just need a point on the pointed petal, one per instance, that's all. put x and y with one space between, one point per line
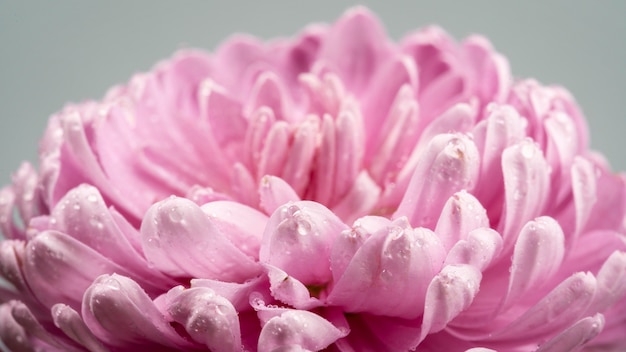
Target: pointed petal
289 290
298 239
70 322
564 304
449 165
449 294
243 185
398 261
462 214
117 310
274 192
297 168
274 151
298 328
223 113
324 170
576 336
526 187
537 256
239 223
178 238
208 318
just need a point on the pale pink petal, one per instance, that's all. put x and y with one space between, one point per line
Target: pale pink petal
9 228
71 323
576 336
325 163
12 333
237 294
239 223
208 318
611 282
360 199
461 214
450 164
298 328
27 191
489 70
480 249
178 238
449 293
349 146
274 151
537 256
118 311
259 125
290 291
297 168
584 190
243 185
298 238
274 192
397 261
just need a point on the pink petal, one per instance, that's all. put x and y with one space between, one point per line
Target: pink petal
398 261
537 256
178 238
526 186
298 328
269 92
462 214
289 290
12 255
325 163
243 185
584 190
70 322
223 113
118 311
9 228
239 223
298 239
449 294
209 319
259 125
12 334
576 336
55 268
449 165
490 70
297 168
480 249
360 199
237 294
28 194
274 192
611 282
354 47
274 151
349 146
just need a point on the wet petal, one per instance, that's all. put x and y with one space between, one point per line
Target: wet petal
462 214
575 336
12 333
208 318
274 192
298 328
71 323
481 247
178 238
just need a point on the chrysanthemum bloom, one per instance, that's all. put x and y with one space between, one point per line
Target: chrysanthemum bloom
334 191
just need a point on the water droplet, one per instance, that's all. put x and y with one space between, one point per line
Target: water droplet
386 275
303 227
76 206
175 215
528 150
92 198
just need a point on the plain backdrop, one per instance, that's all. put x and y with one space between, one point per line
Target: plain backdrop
59 51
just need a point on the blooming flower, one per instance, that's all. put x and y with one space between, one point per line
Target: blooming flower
334 191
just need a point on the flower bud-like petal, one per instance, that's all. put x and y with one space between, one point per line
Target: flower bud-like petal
208 318
298 239
119 311
449 164
178 238
397 261
298 328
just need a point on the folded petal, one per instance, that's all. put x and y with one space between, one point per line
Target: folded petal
179 239
461 214
298 328
208 318
480 249
290 291
449 164
298 239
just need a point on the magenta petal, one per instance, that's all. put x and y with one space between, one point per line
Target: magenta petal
298 328
298 239
526 186
178 238
239 223
25 318
576 336
208 318
70 322
449 293
462 214
397 261
118 311
274 192
537 256
449 165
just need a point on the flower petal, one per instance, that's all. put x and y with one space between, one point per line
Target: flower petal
449 293
298 239
360 199
289 290
209 319
537 256
70 322
575 336
298 328
449 165
461 214
274 192
178 238
12 334
117 310
481 247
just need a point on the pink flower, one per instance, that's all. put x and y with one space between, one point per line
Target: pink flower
334 191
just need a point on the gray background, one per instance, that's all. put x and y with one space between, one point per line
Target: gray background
54 52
